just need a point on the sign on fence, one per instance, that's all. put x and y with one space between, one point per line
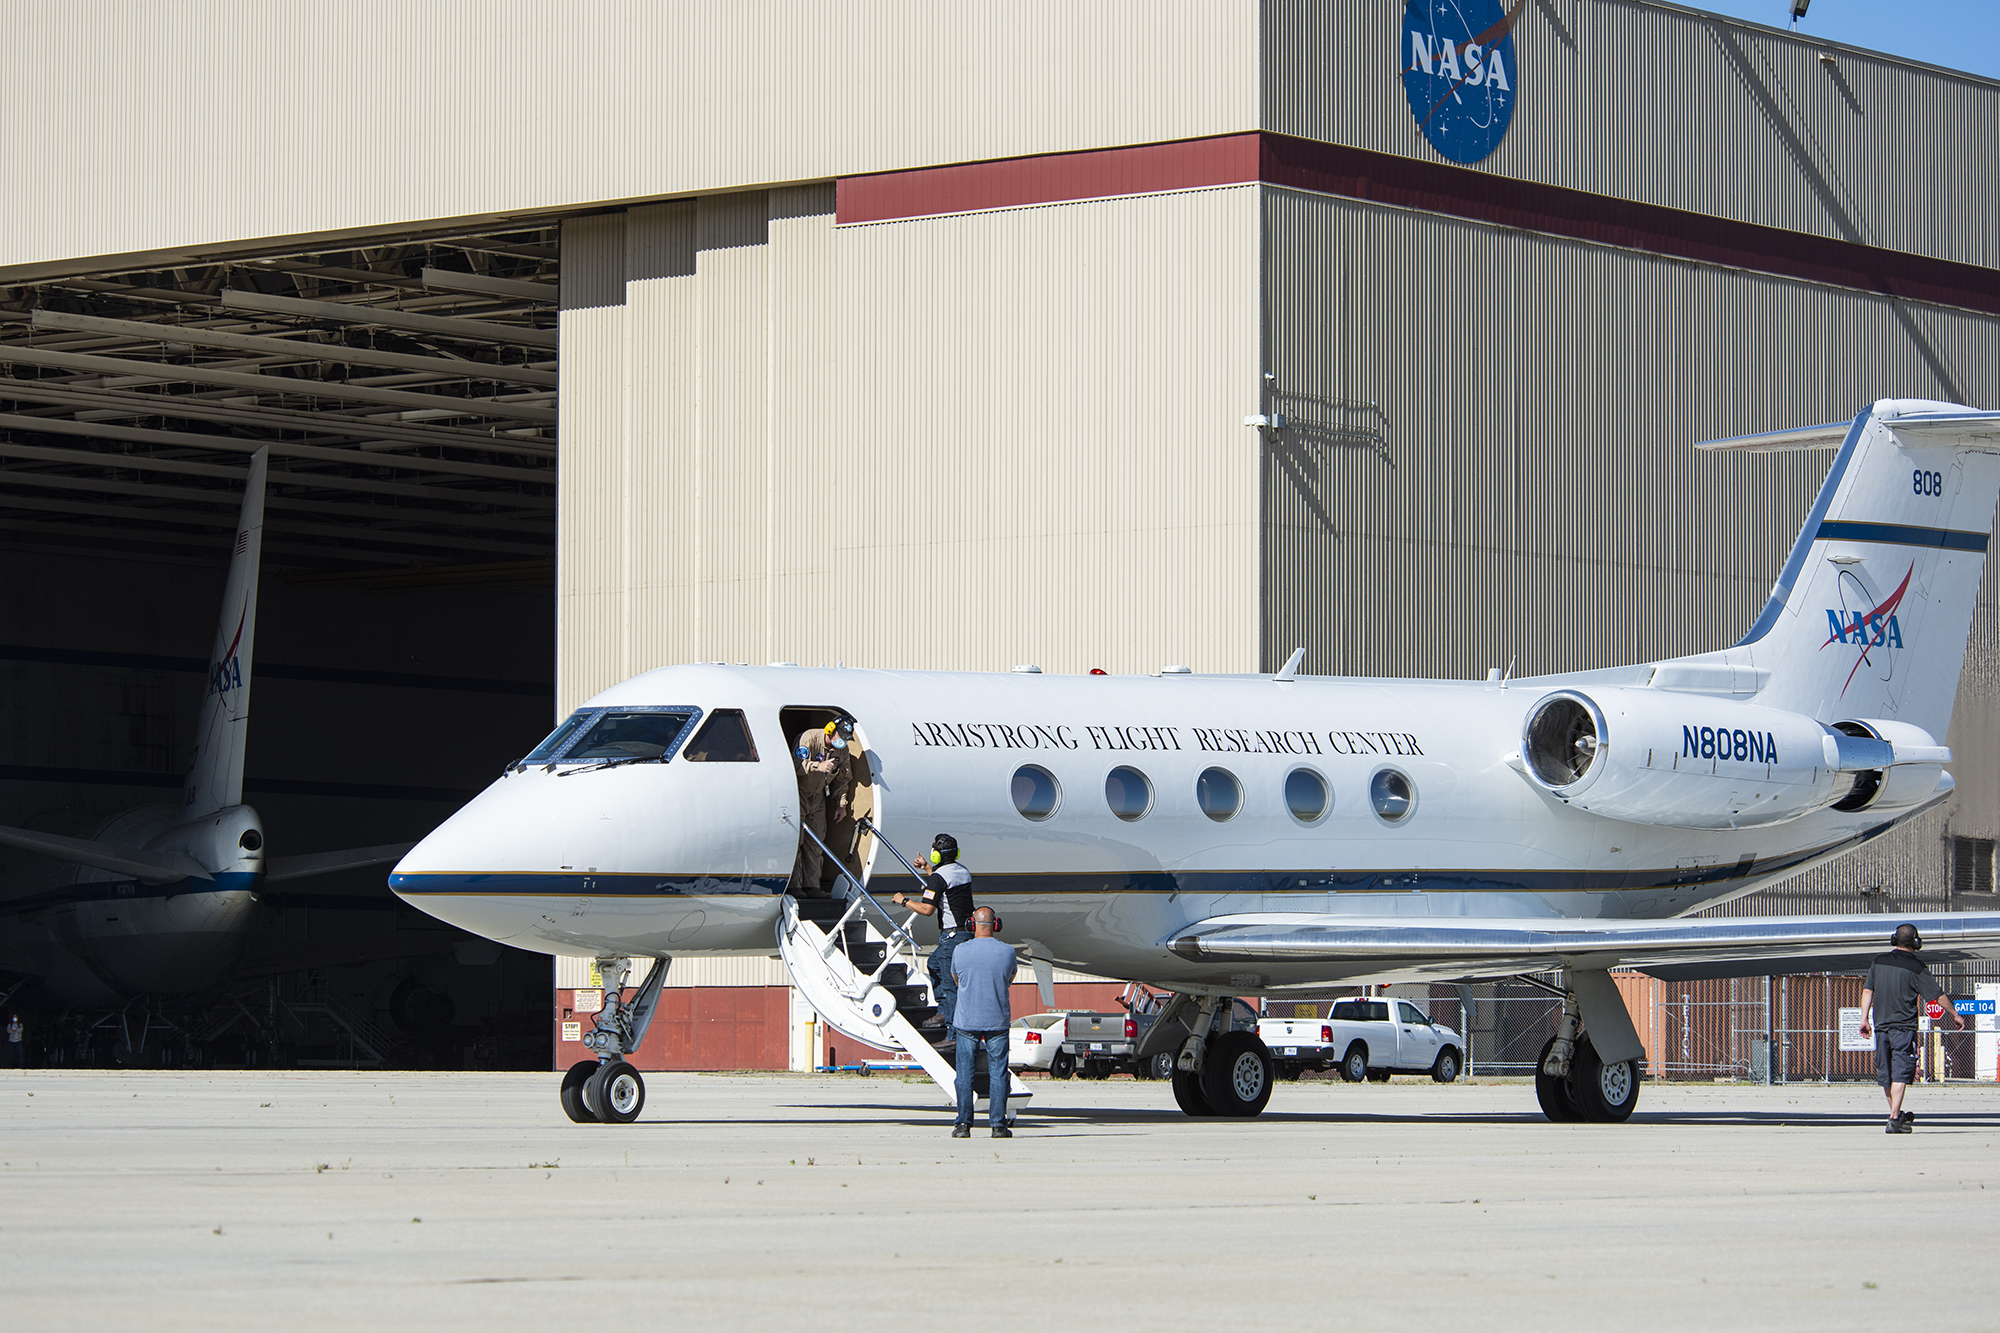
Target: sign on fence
1850 1032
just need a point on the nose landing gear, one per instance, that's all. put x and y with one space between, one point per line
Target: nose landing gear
608 1090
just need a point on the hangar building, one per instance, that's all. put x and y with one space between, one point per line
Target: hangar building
597 337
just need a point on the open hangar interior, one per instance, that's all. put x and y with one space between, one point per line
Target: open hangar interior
951 359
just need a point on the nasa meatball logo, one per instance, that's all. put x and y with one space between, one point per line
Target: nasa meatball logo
1459 73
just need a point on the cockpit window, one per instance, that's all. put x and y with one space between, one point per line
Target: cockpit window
601 735
723 739
558 738
620 734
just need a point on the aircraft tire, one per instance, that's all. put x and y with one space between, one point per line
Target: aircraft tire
1354 1065
1236 1075
1187 1092
1604 1093
571 1094
1554 1093
621 1093
1445 1068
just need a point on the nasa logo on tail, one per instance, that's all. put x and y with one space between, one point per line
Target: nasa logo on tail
1872 631
1459 73
227 674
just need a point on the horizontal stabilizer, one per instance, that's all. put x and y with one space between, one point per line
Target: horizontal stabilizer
1468 948
154 867
1784 441
325 863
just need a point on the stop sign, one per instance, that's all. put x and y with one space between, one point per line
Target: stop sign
1935 1008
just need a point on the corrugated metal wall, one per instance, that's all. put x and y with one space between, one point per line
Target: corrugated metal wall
527 106
958 442
1497 426
1652 102
1490 460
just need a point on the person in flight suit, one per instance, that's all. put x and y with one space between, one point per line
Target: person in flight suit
948 897
849 797
815 766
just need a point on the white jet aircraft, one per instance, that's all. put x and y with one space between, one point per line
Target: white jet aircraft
160 899
1220 836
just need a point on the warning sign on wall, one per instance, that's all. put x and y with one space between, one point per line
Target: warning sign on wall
572 1032
589 1001
1850 1032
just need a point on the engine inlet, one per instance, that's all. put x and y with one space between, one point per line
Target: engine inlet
1561 740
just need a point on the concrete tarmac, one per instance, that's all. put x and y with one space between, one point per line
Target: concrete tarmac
333 1200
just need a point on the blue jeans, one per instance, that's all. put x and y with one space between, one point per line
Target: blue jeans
943 987
996 1074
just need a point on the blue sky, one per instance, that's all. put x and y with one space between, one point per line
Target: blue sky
1958 34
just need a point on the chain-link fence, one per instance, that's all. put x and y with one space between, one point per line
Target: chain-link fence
1776 1029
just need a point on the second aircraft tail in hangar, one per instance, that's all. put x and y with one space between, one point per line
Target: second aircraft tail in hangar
215 774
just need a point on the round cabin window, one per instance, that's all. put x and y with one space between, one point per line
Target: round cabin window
1392 796
1128 793
1218 793
1306 795
1036 792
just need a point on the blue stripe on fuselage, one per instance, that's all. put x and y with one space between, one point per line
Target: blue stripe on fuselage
127 890
567 884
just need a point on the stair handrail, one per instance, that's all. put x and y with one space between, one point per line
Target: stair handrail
859 885
854 904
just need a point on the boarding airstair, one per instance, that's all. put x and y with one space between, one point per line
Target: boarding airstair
861 972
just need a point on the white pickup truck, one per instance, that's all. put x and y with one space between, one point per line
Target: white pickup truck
1364 1038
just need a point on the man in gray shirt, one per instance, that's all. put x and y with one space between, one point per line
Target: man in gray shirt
983 968
1892 999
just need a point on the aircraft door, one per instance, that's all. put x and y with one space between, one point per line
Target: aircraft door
836 788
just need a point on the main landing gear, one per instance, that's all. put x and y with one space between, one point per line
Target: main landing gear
608 1090
1224 1074
1572 1083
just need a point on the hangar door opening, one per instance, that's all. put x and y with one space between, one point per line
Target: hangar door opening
405 388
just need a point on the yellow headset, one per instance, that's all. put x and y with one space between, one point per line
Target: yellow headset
937 857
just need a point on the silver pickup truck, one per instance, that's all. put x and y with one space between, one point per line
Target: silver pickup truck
1364 1038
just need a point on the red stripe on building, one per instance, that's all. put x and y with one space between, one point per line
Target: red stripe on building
1189 164
1358 173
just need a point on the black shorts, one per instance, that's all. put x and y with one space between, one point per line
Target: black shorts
1895 1055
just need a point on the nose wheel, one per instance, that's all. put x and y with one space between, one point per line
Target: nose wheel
608 1090
572 1092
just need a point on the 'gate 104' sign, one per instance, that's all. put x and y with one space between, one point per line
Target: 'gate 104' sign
1459 73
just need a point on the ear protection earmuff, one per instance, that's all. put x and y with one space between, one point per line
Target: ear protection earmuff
936 858
1907 936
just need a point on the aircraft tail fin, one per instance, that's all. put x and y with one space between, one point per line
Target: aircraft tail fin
1868 619
215 778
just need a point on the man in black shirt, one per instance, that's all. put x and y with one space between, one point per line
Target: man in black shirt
1892 999
947 896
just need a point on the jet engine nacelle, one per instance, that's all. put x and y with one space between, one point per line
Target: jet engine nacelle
1691 761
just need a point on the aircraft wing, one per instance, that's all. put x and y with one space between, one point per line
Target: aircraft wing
1376 948
325 863
135 861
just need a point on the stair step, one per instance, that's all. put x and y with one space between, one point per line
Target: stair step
896 974
822 912
866 957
